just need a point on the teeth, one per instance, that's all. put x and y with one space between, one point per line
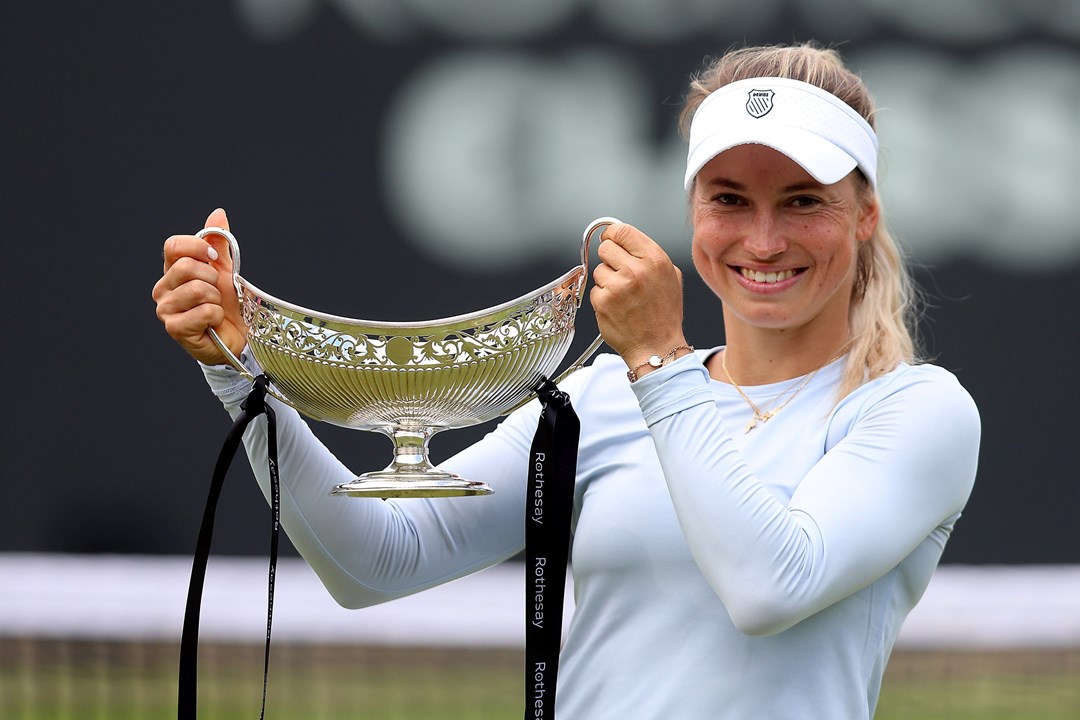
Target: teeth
769 277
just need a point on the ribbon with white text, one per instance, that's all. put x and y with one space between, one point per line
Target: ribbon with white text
548 509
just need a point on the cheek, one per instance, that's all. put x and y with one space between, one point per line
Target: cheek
706 251
701 263
835 240
699 256
712 235
842 257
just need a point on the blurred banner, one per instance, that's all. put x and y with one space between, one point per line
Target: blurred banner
412 159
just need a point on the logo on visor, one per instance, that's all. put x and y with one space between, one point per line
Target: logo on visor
759 102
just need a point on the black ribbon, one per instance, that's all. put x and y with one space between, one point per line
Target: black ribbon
252 407
548 509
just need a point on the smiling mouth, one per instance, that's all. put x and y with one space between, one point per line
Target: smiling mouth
769 277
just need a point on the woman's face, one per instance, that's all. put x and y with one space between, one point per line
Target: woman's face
778 247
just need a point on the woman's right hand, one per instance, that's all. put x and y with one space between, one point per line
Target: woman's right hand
196 292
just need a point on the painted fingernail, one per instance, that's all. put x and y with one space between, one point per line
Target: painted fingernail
211 252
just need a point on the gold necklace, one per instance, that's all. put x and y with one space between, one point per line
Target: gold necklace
765 417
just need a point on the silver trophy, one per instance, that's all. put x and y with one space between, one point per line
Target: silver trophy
411 380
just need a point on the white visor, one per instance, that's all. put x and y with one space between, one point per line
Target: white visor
814 128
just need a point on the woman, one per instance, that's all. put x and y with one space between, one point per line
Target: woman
752 522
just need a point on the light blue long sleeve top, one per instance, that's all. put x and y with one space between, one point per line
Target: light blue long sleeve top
718 574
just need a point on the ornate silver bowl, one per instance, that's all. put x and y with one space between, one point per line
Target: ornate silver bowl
411 380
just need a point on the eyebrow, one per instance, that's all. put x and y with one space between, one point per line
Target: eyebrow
735 185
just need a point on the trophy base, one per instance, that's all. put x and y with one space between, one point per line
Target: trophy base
411 474
390 484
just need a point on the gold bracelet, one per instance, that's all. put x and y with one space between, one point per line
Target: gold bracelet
657 361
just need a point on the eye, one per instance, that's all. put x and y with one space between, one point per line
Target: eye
805 201
727 199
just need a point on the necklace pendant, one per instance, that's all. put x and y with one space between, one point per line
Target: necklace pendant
763 417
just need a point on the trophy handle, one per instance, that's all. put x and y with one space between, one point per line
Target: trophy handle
580 362
234 251
595 225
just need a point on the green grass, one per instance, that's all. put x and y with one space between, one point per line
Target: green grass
56 680
92 681
1046 698
1033 685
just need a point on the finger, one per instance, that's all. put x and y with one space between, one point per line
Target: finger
178 247
189 327
613 255
185 269
603 274
187 296
629 238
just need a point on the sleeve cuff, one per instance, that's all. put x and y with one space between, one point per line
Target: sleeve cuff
226 382
673 388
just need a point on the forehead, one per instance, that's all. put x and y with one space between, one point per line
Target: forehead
753 164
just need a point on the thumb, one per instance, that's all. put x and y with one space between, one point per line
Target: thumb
220 245
217 219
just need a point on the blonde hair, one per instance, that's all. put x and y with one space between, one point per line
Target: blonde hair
882 317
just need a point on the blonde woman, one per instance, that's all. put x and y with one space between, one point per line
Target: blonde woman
753 521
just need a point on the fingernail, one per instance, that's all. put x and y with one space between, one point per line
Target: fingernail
211 252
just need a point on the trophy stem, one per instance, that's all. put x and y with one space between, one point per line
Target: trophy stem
411 474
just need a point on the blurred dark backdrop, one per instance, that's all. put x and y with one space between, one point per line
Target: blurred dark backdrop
415 159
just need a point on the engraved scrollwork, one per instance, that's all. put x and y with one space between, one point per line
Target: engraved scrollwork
549 313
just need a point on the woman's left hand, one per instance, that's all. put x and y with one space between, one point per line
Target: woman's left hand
637 295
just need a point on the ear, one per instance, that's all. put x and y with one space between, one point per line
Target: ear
869 215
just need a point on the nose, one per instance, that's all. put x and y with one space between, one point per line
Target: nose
764 238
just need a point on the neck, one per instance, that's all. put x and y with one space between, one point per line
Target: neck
756 356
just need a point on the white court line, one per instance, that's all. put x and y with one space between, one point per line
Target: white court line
126 597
